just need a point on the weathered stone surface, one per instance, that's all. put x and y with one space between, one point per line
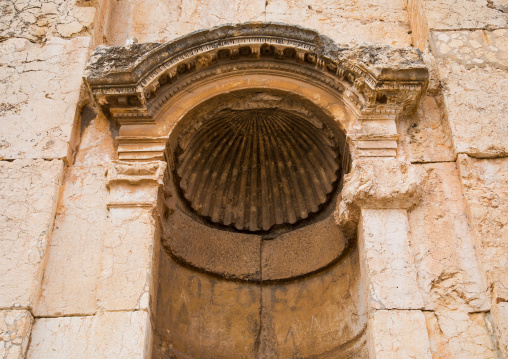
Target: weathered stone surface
126 260
15 327
398 334
428 135
201 316
379 22
476 108
479 48
74 258
381 183
106 335
29 193
229 254
302 251
197 315
485 185
471 14
443 244
36 20
498 284
500 318
97 143
461 335
418 22
321 316
37 121
382 22
158 21
75 253
388 267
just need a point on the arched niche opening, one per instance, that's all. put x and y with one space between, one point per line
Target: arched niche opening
251 166
253 263
245 283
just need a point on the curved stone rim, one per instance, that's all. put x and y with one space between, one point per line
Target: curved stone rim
125 80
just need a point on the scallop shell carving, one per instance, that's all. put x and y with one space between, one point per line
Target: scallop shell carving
253 169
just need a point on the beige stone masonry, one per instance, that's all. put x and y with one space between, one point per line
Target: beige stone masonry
460 335
380 22
158 21
28 202
15 327
427 134
398 334
126 260
443 244
127 255
106 336
485 185
387 263
41 86
75 254
36 20
476 106
471 14
473 48
500 317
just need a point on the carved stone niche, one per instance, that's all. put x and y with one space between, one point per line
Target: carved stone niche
259 123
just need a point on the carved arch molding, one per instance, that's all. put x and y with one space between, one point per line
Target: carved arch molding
245 95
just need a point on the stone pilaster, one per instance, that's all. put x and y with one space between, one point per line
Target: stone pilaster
124 283
376 196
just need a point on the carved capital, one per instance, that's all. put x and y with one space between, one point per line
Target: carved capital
377 184
135 184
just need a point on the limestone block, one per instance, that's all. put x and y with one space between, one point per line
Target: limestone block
126 259
461 335
472 48
96 147
428 135
161 21
15 326
498 283
419 23
485 185
29 191
387 262
37 121
120 335
105 336
35 20
202 316
476 108
500 318
379 21
398 334
225 253
322 316
443 244
74 258
199 316
472 14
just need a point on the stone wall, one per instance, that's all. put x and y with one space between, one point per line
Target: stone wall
77 268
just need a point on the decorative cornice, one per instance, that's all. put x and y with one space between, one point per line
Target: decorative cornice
132 82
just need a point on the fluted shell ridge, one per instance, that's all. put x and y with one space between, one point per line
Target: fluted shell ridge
253 169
